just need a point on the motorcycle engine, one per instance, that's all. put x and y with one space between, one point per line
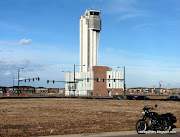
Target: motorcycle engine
151 122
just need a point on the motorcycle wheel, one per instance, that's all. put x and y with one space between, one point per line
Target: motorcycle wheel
167 127
141 127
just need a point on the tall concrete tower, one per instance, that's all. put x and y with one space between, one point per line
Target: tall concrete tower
90 26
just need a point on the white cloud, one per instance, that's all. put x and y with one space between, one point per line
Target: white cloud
119 6
129 16
7 43
7 73
24 41
145 25
126 9
21 42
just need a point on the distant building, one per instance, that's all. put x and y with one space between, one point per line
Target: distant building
174 90
22 90
2 90
146 90
161 90
41 90
53 90
27 89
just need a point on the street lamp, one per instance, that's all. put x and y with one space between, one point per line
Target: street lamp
124 80
18 79
74 77
160 86
69 80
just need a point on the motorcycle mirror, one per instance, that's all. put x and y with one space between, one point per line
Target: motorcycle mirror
156 106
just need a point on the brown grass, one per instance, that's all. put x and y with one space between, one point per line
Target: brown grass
34 117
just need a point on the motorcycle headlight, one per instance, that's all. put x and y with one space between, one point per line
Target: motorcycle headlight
143 113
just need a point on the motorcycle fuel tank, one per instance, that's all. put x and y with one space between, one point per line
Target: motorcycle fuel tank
154 114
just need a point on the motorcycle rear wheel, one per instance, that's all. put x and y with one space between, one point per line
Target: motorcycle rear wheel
167 127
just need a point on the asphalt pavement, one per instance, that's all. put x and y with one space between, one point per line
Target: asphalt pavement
123 134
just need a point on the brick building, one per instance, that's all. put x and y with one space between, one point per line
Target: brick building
101 81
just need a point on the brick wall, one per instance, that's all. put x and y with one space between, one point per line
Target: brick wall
100 87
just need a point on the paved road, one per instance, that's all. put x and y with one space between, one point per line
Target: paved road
121 134
150 135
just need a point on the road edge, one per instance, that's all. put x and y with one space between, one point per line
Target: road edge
103 134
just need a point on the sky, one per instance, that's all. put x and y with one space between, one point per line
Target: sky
42 36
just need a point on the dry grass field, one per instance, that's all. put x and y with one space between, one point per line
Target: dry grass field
34 117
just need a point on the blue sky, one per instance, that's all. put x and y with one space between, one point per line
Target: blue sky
42 36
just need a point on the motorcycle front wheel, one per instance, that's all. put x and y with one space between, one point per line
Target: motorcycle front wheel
141 127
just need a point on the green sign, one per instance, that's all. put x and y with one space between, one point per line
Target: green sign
79 79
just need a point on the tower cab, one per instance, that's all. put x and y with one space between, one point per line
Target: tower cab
92 13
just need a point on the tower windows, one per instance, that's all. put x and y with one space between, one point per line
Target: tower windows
91 12
96 13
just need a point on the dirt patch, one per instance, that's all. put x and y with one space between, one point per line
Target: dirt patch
34 117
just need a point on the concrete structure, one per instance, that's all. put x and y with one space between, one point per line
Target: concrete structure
92 80
90 26
98 82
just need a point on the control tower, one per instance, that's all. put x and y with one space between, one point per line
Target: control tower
90 26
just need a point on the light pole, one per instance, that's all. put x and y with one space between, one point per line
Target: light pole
69 80
18 79
124 80
160 86
75 78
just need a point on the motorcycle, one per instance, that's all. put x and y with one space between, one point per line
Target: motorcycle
155 122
